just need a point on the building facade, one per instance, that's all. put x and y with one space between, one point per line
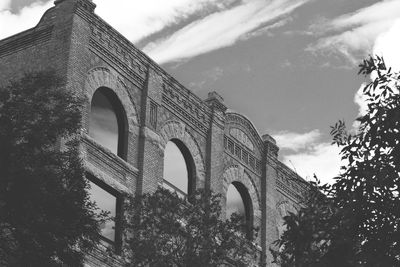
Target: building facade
149 109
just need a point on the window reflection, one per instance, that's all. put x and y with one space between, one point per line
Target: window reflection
105 202
234 202
103 125
175 170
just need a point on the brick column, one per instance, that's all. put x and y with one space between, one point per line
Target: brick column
268 199
150 153
215 142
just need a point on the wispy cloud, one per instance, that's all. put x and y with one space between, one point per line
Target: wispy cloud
136 19
266 29
220 29
26 18
354 34
209 76
296 141
133 18
221 23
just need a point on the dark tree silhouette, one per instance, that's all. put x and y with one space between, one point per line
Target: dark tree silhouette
46 217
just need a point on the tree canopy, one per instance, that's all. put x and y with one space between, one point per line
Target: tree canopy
166 230
356 221
46 217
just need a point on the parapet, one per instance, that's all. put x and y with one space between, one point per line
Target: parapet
216 101
270 145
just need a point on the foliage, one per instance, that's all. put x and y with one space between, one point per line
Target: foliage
357 223
314 235
46 218
166 230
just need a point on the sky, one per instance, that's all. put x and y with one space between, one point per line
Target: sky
289 65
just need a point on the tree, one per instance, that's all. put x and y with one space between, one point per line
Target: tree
361 210
314 235
166 230
46 217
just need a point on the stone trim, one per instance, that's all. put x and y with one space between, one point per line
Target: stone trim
243 155
290 182
114 170
105 178
239 119
104 77
116 54
237 173
184 105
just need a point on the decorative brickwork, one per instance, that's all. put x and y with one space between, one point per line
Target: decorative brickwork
105 77
32 39
225 146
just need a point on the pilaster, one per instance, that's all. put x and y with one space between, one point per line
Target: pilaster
150 152
215 142
268 186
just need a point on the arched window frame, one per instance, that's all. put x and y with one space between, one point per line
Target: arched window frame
248 206
190 167
122 121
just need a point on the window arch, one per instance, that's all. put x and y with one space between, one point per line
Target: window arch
179 168
108 123
238 201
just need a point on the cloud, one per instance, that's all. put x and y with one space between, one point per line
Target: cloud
322 159
220 29
354 34
371 30
361 100
26 18
307 155
222 23
296 141
5 4
137 19
266 29
133 18
387 45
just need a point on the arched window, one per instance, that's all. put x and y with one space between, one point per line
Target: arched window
107 123
238 201
178 168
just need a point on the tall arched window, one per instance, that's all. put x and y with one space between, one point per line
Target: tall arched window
238 201
107 123
178 168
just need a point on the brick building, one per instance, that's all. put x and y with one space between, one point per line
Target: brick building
150 108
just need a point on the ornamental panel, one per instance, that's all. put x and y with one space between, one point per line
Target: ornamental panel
242 137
